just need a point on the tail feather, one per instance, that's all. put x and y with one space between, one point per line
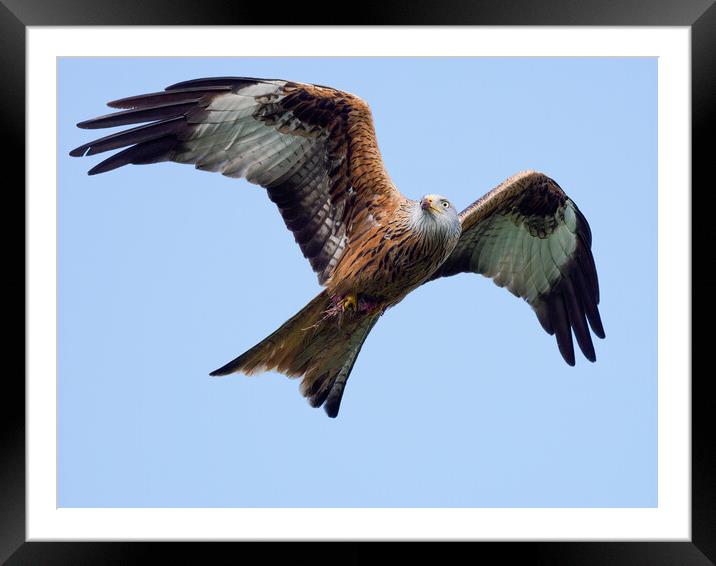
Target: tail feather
333 399
322 349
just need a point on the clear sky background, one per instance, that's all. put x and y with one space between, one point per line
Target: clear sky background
458 398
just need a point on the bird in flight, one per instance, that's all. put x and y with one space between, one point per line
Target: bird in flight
313 148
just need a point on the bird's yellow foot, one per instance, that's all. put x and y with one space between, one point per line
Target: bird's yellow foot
350 301
339 305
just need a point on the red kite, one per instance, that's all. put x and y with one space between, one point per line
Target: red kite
314 150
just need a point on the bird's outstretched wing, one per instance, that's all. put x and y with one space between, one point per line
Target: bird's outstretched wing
313 148
529 236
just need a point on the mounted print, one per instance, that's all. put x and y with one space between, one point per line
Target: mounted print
473 227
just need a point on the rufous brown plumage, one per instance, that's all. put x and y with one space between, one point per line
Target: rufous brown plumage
314 150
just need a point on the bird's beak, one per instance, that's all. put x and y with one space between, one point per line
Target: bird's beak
426 204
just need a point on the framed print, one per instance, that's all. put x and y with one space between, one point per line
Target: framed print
461 420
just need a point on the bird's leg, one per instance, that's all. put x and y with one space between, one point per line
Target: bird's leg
369 305
341 304
350 301
357 303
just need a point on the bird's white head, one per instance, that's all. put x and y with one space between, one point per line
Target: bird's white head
436 217
435 204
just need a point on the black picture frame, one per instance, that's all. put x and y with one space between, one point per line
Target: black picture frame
699 15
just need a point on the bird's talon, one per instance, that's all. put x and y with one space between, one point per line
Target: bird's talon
350 302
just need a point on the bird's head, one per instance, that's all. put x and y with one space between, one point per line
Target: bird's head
435 216
437 204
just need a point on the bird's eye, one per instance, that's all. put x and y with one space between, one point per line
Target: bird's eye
446 204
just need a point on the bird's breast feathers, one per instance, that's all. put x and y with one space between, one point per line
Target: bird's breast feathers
395 255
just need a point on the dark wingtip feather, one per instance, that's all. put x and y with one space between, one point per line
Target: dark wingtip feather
87 124
152 151
562 328
588 302
148 133
589 269
577 318
179 95
585 344
236 82
317 396
595 321
135 116
105 166
542 312
590 354
80 151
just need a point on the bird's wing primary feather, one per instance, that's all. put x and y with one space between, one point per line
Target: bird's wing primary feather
313 148
529 236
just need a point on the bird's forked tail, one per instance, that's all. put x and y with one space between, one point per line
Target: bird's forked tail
317 344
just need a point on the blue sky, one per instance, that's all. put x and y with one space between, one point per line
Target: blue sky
458 398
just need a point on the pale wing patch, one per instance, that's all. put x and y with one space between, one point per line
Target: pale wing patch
527 265
312 148
530 238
